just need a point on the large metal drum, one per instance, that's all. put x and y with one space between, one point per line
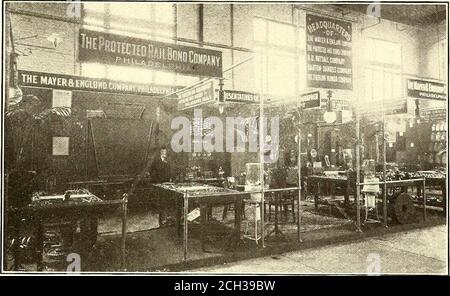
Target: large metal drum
402 209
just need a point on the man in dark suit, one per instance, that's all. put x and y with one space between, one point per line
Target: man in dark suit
160 172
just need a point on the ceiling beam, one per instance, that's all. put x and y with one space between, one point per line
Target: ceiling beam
412 15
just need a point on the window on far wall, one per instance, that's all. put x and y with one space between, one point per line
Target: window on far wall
275 57
155 21
61 98
382 73
60 146
444 61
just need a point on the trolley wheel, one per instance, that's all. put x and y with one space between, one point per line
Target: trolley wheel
403 209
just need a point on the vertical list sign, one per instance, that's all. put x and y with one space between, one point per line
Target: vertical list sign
328 53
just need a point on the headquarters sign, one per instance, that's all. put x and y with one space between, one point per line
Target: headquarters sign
118 50
328 53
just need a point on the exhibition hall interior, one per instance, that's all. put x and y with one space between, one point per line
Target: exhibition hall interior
170 137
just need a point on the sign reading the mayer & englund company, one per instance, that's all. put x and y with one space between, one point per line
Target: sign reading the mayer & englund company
424 89
112 49
328 53
70 82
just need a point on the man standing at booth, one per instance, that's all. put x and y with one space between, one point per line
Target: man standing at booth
160 172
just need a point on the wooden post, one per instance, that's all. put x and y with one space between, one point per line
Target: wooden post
358 176
185 230
261 164
384 176
40 245
124 231
444 196
424 201
10 56
299 202
15 247
237 218
6 220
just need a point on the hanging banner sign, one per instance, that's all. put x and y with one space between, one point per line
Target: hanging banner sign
424 89
340 104
118 50
328 53
434 114
240 96
198 95
378 107
310 100
237 96
70 82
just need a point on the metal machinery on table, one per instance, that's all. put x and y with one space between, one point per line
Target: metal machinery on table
434 179
62 211
400 202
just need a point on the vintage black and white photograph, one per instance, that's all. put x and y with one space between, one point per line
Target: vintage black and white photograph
224 137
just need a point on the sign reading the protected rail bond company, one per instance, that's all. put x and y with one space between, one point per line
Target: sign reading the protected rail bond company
112 49
328 53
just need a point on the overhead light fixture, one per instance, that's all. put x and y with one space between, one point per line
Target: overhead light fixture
221 108
158 113
221 101
329 116
55 39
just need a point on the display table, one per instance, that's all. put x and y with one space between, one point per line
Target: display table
442 184
433 178
49 208
104 188
209 181
317 184
205 196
